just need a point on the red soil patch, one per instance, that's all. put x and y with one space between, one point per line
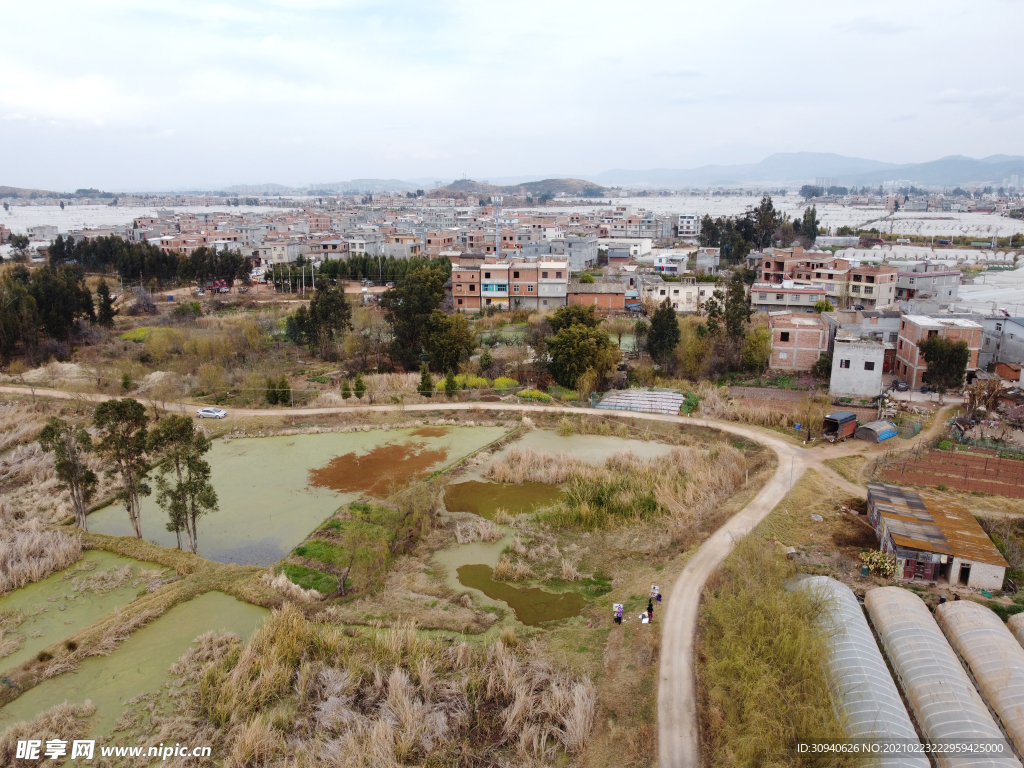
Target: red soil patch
377 472
430 431
977 470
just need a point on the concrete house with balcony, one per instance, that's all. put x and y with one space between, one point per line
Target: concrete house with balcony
685 295
910 364
580 251
923 280
790 296
797 341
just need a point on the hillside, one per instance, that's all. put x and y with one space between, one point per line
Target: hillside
551 187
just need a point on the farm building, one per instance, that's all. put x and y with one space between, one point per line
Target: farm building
933 538
876 431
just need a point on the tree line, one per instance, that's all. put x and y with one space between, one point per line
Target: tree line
757 229
172 453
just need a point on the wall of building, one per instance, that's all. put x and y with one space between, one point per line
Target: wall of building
861 376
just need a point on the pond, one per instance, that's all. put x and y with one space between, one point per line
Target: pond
532 606
274 490
65 602
139 665
484 499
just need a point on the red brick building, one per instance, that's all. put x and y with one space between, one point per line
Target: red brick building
910 364
797 341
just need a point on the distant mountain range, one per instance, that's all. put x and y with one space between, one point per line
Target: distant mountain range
788 168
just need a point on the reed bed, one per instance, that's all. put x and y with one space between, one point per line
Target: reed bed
102 582
481 529
64 721
308 694
716 404
686 485
761 679
281 583
29 552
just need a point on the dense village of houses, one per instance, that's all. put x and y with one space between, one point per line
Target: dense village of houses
534 259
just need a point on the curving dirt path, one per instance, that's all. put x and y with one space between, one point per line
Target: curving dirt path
678 741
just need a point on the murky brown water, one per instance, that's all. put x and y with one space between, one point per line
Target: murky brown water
430 432
532 606
378 471
484 499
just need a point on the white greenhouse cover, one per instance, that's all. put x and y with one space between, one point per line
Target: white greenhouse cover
865 690
941 694
1016 625
994 658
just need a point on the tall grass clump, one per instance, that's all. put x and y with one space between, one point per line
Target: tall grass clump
686 485
29 552
716 404
66 722
308 694
761 675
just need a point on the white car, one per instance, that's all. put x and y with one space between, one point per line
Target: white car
211 413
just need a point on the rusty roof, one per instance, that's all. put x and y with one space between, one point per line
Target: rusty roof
931 523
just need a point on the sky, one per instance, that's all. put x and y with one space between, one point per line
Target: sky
129 95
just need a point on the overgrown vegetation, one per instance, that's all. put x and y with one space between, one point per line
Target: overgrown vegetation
762 682
310 694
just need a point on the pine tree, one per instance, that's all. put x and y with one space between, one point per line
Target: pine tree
451 386
106 313
426 387
360 386
346 391
663 338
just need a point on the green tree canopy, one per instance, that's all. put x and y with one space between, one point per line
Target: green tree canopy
408 308
809 224
586 278
664 335
106 313
449 340
765 220
575 349
574 314
757 350
730 311
946 360
122 445
823 305
319 327
183 484
70 444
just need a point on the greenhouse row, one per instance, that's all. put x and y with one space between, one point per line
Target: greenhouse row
942 696
870 705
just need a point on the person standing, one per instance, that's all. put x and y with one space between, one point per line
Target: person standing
650 610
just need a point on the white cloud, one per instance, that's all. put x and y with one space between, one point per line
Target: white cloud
212 93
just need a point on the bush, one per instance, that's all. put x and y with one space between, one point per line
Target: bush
945 445
880 563
308 578
188 310
138 334
533 394
689 404
464 381
504 383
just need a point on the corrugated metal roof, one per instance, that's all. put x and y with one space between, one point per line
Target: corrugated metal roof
939 691
870 705
642 400
932 523
994 658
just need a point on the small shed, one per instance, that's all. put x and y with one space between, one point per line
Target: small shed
876 431
839 425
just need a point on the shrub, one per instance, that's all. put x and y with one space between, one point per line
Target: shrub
690 403
308 578
188 310
137 334
945 445
880 563
504 383
465 381
533 394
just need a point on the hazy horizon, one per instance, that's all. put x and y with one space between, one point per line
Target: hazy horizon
118 95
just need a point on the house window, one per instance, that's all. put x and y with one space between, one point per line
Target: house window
545 302
529 289
892 337
460 301
783 355
932 333
487 274
544 275
515 274
844 363
868 289
869 366
762 296
472 286
784 336
515 289
558 274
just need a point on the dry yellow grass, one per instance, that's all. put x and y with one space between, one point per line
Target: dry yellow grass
64 721
308 694
29 552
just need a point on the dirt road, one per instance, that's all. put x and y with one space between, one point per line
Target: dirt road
678 741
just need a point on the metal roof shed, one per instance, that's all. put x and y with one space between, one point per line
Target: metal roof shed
941 694
876 431
994 658
870 706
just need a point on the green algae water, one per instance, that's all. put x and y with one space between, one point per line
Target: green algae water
268 499
139 665
532 606
54 608
484 499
